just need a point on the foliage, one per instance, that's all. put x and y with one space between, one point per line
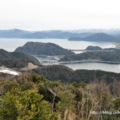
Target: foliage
24 105
33 97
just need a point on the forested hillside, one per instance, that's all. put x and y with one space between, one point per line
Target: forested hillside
16 59
33 97
66 75
107 56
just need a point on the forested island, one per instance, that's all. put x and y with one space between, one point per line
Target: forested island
38 48
97 48
95 56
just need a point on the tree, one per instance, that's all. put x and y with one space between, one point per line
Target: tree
66 103
24 105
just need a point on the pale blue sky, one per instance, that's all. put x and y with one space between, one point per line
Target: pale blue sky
59 14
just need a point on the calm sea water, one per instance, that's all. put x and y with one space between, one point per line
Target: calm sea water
50 60
12 44
95 66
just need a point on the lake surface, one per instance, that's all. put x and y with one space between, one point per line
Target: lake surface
12 44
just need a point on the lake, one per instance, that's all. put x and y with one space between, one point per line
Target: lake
12 44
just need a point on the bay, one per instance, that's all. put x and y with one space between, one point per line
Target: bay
54 60
12 44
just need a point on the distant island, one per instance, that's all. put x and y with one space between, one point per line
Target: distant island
38 48
97 48
95 56
93 48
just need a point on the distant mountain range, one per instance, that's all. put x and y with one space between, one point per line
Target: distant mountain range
61 34
17 33
13 33
38 48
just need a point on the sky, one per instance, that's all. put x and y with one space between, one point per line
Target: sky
59 14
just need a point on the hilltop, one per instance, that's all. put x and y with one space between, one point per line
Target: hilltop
93 48
38 48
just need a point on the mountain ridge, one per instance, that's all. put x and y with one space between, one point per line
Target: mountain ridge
60 34
97 37
38 48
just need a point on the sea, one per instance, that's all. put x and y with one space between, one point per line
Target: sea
12 43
